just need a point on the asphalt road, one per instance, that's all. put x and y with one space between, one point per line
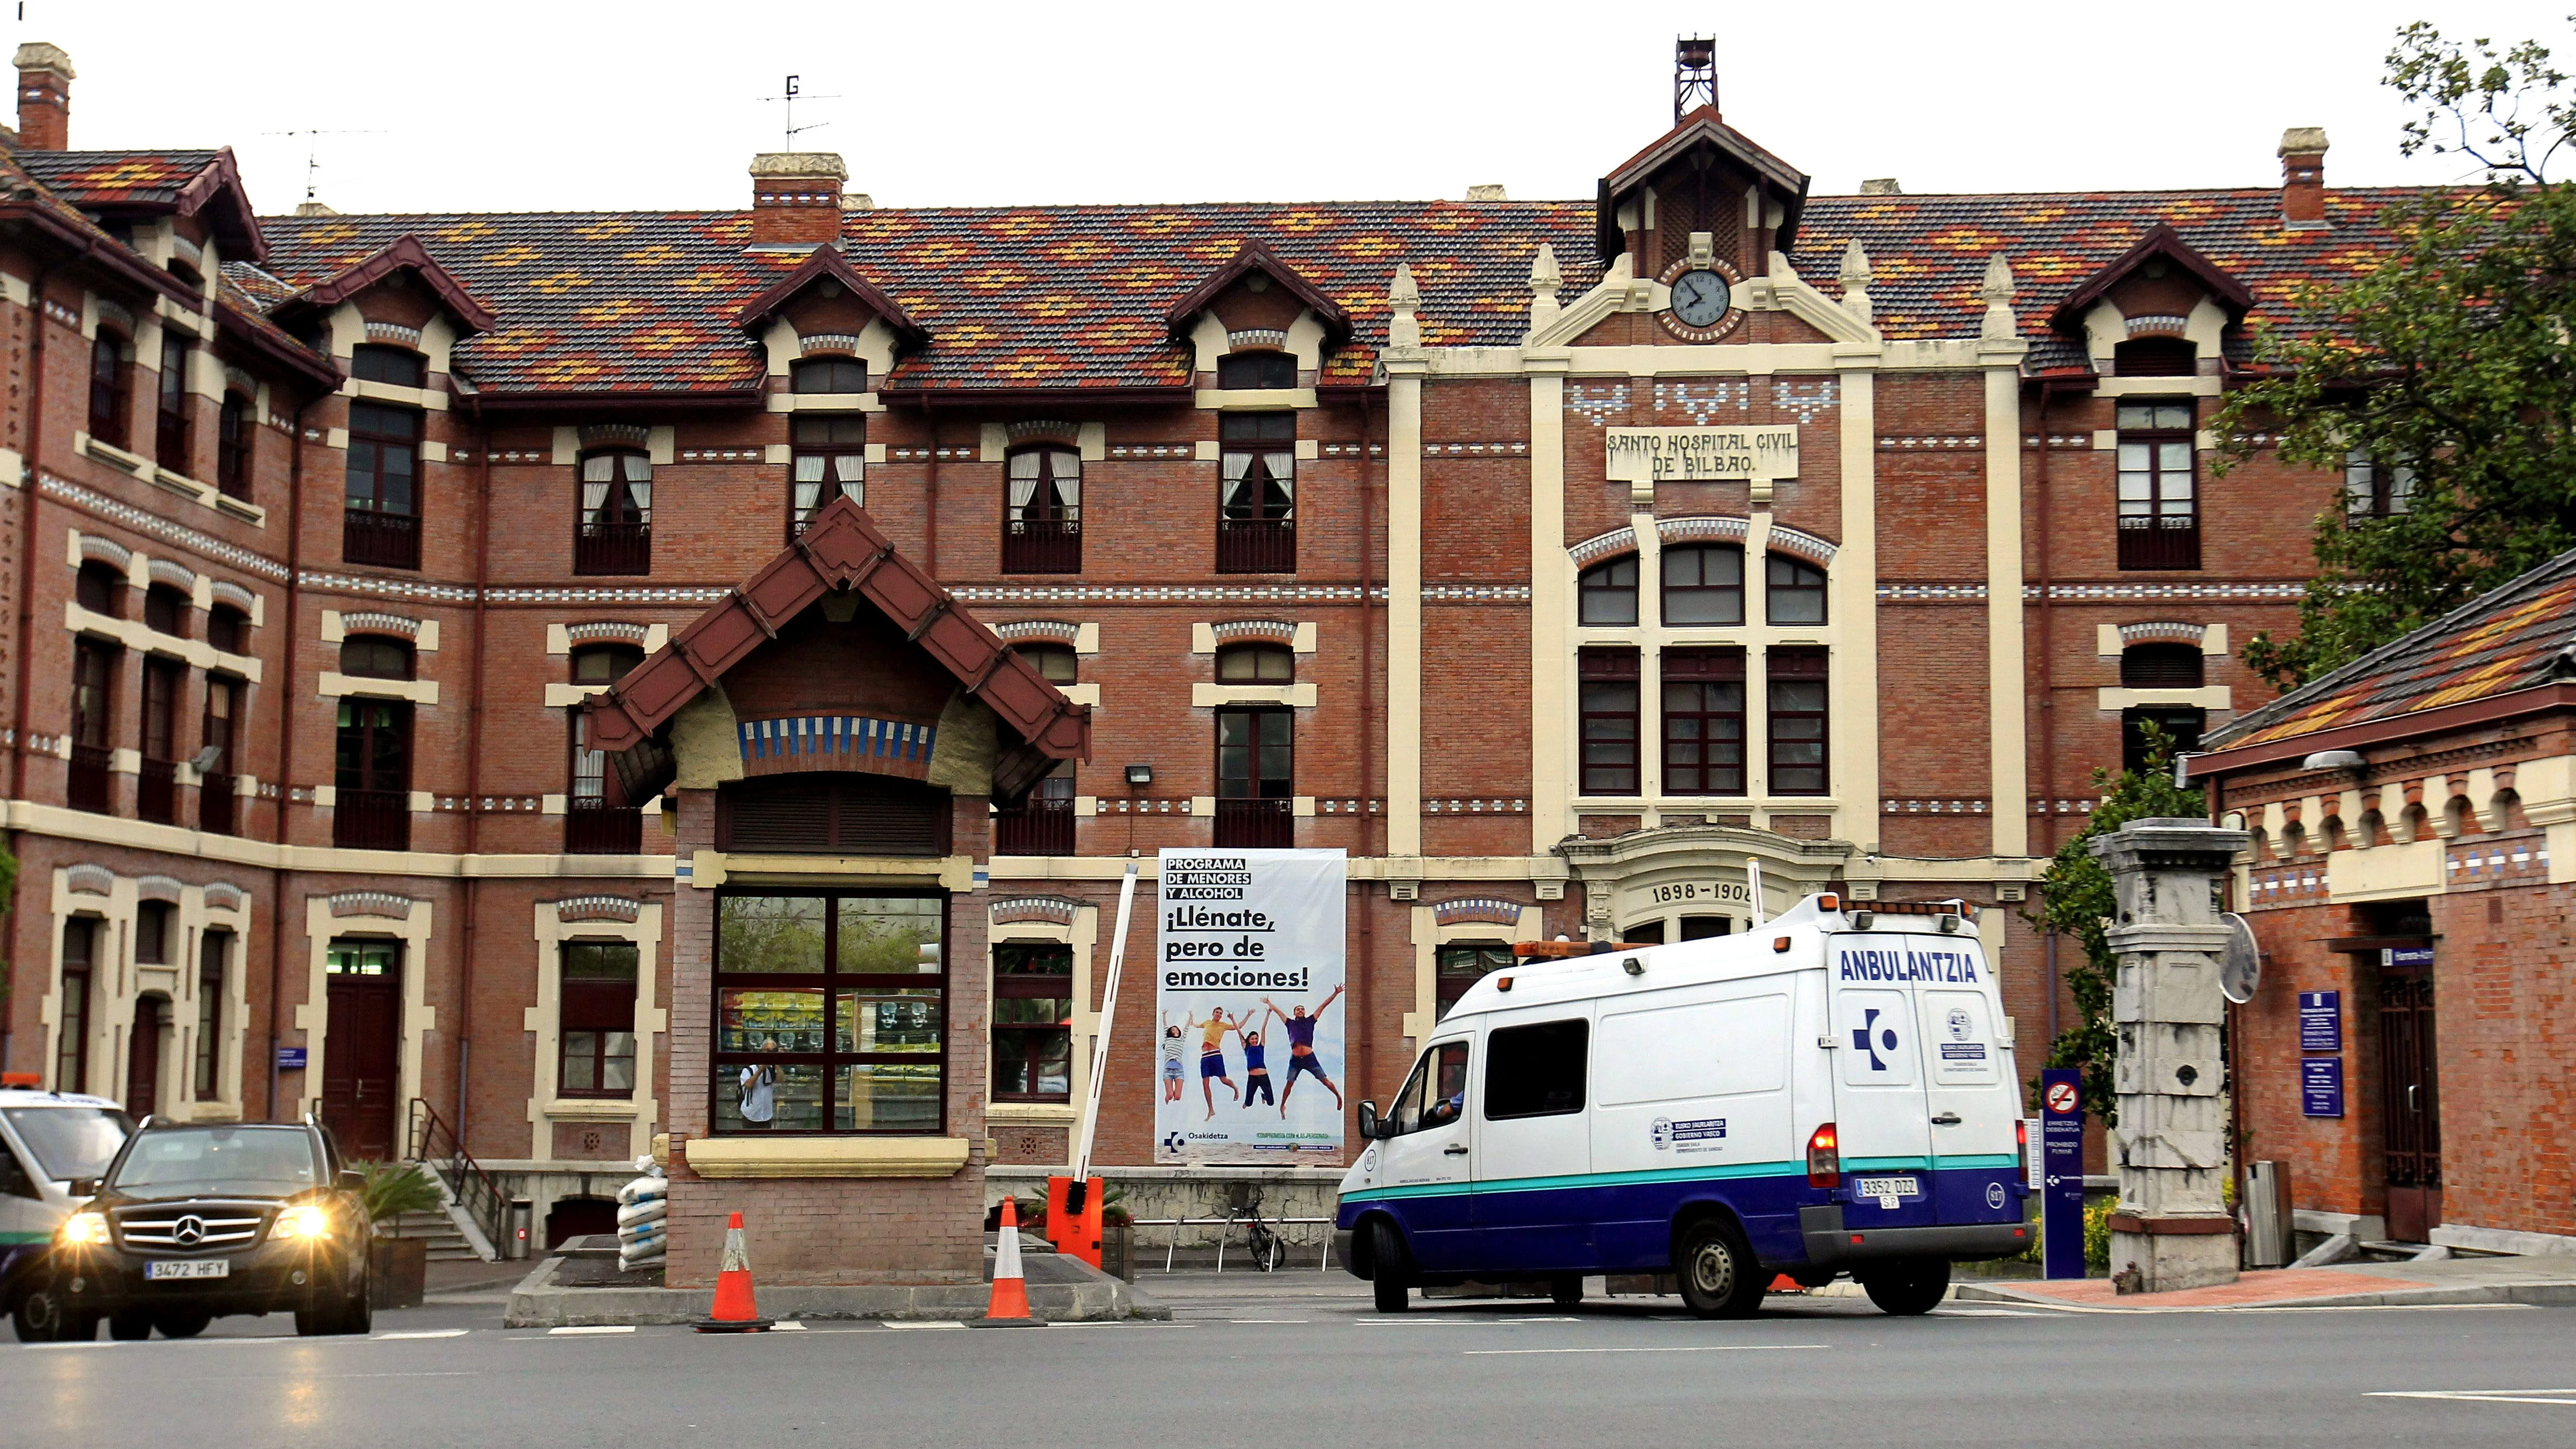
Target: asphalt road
1300 1361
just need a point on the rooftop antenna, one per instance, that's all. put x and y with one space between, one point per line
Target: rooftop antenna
313 154
1694 74
788 96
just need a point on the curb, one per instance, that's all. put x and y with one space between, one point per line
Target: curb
2531 1294
539 1302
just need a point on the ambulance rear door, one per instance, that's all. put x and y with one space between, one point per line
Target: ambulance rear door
1882 1101
1970 1087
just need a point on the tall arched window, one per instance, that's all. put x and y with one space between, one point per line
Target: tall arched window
1795 592
1606 594
1704 584
615 534
1042 516
111 388
596 820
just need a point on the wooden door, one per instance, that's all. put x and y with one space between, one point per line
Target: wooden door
143 1058
360 1049
2410 1105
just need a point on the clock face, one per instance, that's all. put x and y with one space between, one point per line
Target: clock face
1700 298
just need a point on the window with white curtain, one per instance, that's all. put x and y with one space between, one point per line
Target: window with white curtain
1046 485
616 487
1260 461
830 459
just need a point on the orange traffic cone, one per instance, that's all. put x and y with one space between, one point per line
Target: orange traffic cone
734 1310
1010 1305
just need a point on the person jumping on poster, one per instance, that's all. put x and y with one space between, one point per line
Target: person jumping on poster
1212 1057
1301 1048
1256 1068
1171 1059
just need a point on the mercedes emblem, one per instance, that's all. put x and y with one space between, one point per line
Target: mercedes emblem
188 1231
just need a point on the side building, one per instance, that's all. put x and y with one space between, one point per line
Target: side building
1556 560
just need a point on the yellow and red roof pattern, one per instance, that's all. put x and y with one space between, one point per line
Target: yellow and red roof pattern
99 179
2512 638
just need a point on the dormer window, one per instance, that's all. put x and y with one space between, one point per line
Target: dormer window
2156 357
842 375
399 366
1248 370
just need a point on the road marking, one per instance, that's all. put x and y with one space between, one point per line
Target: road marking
789 1326
2564 1398
1675 1348
1986 1313
923 1323
578 1329
2286 1308
1457 1322
420 1333
1269 1320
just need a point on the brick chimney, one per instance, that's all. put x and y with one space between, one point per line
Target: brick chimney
2303 176
44 97
796 197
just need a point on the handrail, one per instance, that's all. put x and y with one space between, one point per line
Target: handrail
433 1140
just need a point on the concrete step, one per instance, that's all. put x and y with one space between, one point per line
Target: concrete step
446 1243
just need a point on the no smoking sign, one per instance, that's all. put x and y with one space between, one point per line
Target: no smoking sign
2061 1098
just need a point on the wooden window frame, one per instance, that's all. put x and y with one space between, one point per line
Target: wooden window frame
1609 693
173 429
2373 490
71 1041
1800 666
1603 586
1029 1037
1265 360
1254 782
1262 663
367 363
829 455
1675 595
111 388
1795 586
825 366
2163 665
2155 533
1042 533
355 663
726 1064
234 436
1694 681
214 948
384 442
570 989
613 531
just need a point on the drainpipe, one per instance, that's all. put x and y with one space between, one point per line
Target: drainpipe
286 738
27 597
2047 684
930 504
474 770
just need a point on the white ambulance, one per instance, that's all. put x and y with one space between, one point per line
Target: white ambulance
53 1146
1832 1092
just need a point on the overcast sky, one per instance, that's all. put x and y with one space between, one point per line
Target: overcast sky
468 105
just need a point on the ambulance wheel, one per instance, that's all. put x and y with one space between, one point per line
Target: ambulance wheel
37 1315
1386 1268
1565 1291
1908 1288
1719 1277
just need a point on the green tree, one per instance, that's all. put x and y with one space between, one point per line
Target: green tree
2451 365
2075 901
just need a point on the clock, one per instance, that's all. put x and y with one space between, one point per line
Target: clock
1700 306
1700 298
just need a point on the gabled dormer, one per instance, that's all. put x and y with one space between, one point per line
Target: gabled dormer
1257 324
2161 309
394 302
1702 176
186 210
826 309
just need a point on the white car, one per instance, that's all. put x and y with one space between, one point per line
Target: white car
53 1146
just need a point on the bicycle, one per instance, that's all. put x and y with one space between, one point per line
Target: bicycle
1269 1254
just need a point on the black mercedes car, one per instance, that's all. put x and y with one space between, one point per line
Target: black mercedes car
194 1220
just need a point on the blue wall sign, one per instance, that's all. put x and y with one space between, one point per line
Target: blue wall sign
2061 1196
2406 956
2321 1021
2321 1086
290 1059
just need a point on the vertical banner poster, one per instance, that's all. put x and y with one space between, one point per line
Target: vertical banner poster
1251 1016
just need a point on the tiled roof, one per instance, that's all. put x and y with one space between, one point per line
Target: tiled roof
1928 253
110 178
1074 296
1019 297
2509 639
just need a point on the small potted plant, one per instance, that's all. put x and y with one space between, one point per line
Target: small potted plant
400 1271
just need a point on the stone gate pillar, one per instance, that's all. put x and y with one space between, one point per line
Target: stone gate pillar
2172 1228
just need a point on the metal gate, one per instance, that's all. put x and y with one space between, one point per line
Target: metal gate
2410 1112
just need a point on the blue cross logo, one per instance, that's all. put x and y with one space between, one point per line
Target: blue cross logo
1886 1039
1173 1142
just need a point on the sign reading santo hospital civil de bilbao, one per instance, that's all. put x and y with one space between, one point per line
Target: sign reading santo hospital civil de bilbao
1248 961
1689 455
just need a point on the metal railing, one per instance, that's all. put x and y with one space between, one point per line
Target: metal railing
387 540
2160 543
372 820
1036 826
433 1145
215 802
1256 545
592 826
1256 824
613 547
156 792
90 786
1042 545
1172 1241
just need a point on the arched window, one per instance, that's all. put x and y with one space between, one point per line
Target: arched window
232 446
373 656
400 366
829 459
166 610
828 375
227 628
615 534
1704 585
1256 370
1055 663
100 588
604 663
2156 357
111 388
382 524
1042 517
2163 666
1797 591
1606 594
1256 664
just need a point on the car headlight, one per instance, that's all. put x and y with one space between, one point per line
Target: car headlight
83 1228
303 1221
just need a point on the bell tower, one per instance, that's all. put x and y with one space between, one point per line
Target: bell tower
1694 74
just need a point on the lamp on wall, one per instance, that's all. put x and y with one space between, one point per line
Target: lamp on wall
1140 774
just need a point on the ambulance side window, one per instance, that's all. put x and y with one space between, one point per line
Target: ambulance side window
1537 1070
1433 1094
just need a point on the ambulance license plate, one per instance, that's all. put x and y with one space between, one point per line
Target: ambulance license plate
1887 1189
163 1269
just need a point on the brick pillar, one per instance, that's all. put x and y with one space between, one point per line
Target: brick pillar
796 197
44 97
2303 175
2172 1229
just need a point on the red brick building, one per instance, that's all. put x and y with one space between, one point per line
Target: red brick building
2414 819
1554 559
